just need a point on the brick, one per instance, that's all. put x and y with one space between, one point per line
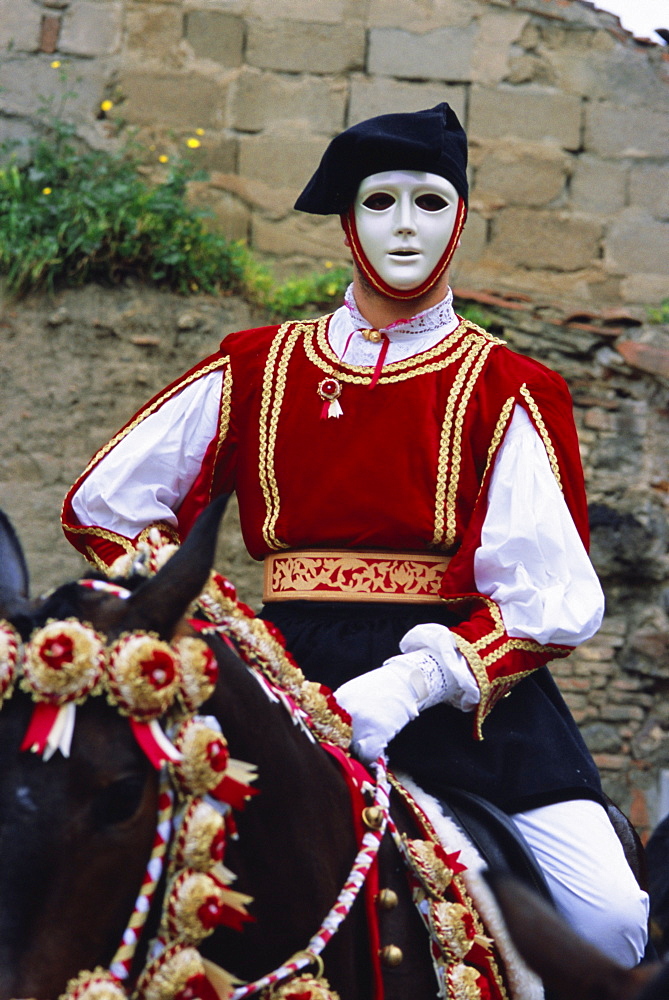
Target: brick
637 242
152 31
371 96
649 188
300 234
306 47
285 159
49 32
531 113
643 289
618 131
92 29
623 713
261 100
215 35
184 100
595 65
598 185
20 22
442 54
516 174
610 761
23 93
545 239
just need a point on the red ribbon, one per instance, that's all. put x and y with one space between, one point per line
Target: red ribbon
41 723
380 361
147 742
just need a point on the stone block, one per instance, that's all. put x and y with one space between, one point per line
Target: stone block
649 188
530 113
226 214
490 59
20 22
261 100
219 153
183 100
636 242
213 34
616 131
472 241
545 239
49 32
285 159
371 96
152 30
416 15
644 289
306 46
92 29
24 93
324 11
510 173
310 236
442 54
598 185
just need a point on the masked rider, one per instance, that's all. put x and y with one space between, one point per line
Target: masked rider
416 492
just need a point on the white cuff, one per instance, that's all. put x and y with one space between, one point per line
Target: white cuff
445 673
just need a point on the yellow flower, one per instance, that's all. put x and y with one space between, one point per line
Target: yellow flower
328 264
55 64
162 158
193 143
46 190
107 105
331 289
199 131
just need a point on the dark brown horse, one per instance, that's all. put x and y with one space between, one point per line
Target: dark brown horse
76 832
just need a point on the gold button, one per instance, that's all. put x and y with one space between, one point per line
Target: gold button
373 336
387 899
392 956
372 817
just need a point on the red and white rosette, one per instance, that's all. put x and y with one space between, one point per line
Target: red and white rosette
206 767
200 841
10 642
97 985
178 973
199 671
195 906
143 679
62 665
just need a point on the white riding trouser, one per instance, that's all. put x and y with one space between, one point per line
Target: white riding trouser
587 873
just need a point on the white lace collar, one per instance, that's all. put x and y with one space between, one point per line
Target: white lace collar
437 317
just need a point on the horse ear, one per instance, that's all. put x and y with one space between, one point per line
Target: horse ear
570 967
14 580
161 602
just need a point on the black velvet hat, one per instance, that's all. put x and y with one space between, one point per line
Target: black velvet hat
432 140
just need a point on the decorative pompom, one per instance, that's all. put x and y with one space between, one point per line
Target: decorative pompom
195 906
454 927
200 843
177 973
9 654
97 985
466 983
199 671
63 662
205 757
143 675
301 988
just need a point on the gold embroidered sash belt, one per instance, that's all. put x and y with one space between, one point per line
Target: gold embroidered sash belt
342 575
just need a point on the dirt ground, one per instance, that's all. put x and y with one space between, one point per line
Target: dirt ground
74 367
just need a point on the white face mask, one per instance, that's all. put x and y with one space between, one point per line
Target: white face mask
404 221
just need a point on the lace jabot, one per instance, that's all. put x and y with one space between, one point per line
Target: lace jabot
423 323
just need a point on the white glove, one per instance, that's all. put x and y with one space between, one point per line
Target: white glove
380 703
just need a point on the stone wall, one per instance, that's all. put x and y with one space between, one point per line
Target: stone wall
566 114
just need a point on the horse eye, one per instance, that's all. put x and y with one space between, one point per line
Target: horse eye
431 202
119 801
379 201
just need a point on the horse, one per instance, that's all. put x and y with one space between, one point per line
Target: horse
79 833
570 967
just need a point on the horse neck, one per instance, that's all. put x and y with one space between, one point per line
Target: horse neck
296 841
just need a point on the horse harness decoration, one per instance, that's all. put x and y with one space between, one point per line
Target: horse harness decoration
159 687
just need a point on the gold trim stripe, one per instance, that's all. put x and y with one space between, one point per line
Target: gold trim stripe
347 575
541 427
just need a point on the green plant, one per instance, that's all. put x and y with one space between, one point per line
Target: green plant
658 314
